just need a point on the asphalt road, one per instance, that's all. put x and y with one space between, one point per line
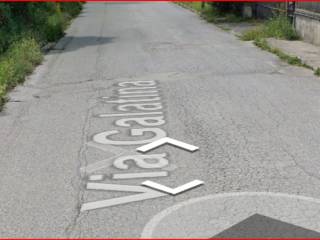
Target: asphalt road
255 120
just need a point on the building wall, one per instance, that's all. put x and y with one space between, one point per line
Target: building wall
307 21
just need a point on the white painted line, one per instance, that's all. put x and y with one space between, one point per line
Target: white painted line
115 187
173 191
98 177
139 175
167 140
129 114
120 101
211 205
144 95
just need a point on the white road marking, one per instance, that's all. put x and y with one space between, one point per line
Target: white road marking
98 177
209 215
139 175
124 91
141 106
129 114
144 95
141 161
173 191
139 83
148 121
144 194
99 165
167 140
120 101
147 104
118 151
103 137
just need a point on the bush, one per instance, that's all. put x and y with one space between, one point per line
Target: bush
25 54
18 61
6 73
71 8
24 28
278 27
54 28
46 20
254 34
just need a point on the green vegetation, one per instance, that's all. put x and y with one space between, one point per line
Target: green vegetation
24 29
263 44
193 5
278 27
215 12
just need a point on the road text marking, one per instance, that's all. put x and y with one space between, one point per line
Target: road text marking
139 175
98 177
143 194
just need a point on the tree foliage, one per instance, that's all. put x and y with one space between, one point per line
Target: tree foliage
45 21
24 28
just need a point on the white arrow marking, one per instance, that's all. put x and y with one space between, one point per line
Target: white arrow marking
165 140
173 191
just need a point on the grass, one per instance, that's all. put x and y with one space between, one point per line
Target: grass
18 61
211 13
24 29
278 27
193 5
292 60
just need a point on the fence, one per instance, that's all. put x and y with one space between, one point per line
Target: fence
304 15
267 10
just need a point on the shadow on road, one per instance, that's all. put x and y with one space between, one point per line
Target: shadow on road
73 43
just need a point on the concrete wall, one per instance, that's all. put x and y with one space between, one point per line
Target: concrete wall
307 24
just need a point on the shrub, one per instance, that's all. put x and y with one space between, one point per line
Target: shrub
6 72
26 54
18 61
72 8
24 27
253 34
54 27
278 27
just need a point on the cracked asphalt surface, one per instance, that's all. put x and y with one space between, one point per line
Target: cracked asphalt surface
255 119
